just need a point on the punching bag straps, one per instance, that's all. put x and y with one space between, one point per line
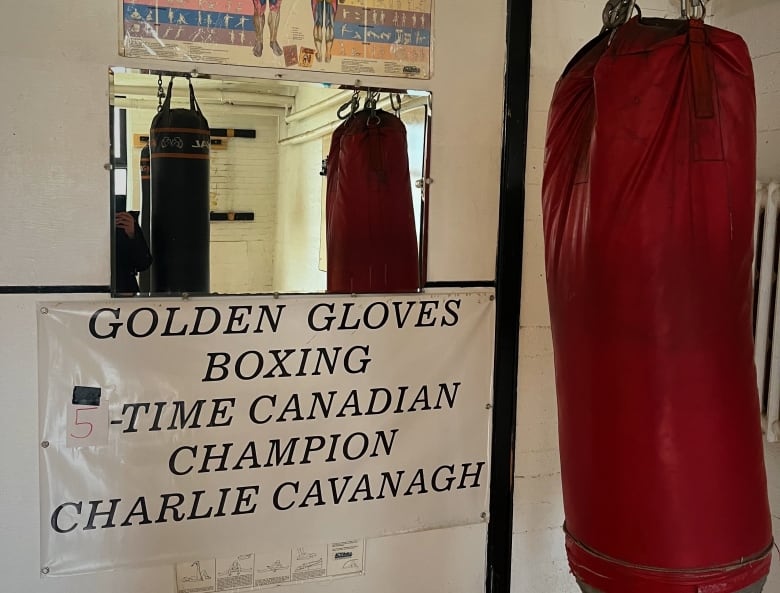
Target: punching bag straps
707 141
166 106
193 101
701 75
374 135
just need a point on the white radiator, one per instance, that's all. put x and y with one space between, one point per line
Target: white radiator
766 308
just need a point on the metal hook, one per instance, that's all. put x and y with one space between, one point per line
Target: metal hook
395 103
353 105
693 9
340 113
618 12
372 97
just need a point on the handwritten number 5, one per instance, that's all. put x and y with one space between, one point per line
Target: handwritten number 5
83 423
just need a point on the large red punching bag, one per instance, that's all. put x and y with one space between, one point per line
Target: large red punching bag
180 141
371 237
648 203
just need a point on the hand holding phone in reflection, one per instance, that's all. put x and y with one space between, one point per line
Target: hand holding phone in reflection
126 222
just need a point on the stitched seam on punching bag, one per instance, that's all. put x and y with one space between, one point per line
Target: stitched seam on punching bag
724 568
705 123
701 75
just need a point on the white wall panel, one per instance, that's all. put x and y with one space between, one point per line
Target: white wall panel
757 21
299 222
53 187
468 97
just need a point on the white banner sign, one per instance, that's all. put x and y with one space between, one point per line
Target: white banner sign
173 430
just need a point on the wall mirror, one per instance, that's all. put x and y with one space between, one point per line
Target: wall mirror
257 191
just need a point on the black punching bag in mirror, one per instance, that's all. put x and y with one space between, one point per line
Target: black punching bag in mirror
179 141
146 207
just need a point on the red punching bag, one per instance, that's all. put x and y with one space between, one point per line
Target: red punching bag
648 203
371 238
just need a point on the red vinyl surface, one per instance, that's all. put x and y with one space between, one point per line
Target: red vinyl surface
648 201
371 237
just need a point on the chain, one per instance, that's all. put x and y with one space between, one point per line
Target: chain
160 93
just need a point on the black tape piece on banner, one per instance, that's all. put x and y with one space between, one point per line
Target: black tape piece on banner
86 396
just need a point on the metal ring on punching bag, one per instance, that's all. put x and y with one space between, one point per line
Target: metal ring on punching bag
180 142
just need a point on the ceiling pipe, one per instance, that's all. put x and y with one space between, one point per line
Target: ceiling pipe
331 102
209 96
150 103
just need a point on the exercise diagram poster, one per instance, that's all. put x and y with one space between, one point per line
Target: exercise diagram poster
173 430
361 37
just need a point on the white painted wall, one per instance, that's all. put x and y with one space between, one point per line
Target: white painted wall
55 230
539 565
299 223
758 21
244 178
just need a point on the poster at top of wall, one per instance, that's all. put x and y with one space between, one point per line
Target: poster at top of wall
361 37
206 428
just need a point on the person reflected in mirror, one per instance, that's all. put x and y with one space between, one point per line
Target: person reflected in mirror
273 25
324 22
132 252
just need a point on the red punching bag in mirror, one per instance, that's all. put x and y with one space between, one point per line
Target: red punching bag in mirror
648 203
371 237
